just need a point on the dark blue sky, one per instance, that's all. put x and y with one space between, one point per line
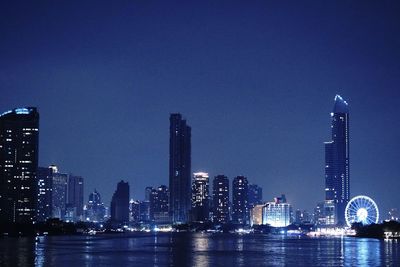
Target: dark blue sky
256 81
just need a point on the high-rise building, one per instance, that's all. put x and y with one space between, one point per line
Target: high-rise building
240 207
44 194
59 193
120 203
159 204
277 213
200 197
337 160
95 209
179 169
75 198
221 199
19 143
256 214
134 211
254 195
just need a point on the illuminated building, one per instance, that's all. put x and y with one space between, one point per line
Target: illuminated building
200 197
59 196
159 204
120 203
179 169
256 214
74 198
254 195
240 208
95 209
19 143
337 172
277 213
330 215
134 211
44 194
221 199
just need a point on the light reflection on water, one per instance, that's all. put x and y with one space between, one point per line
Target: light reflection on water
186 249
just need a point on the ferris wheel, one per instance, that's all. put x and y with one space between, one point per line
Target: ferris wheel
361 209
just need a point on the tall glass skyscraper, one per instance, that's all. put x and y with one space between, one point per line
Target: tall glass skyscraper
179 169
240 207
337 171
44 193
19 143
200 197
221 199
120 203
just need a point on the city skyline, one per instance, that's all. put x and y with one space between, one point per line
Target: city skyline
257 100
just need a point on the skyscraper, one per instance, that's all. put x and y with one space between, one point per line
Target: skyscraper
159 204
59 193
200 197
75 197
221 199
120 203
179 169
337 169
254 195
240 209
95 209
19 143
44 194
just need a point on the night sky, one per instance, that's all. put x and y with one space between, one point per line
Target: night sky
255 80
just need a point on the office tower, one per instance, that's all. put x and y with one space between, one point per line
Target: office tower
200 197
59 193
337 172
240 208
44 194
74 204
95 209
144 211
134 211
277 213
159 204
318 216
254 195
221 199
256 214
19 143
120 203
179 169
147 193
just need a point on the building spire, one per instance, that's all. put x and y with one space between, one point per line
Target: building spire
341 105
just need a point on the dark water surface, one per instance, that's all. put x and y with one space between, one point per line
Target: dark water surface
187 249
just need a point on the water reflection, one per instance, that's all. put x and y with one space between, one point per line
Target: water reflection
187 249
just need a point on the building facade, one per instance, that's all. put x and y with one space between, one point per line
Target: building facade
277 213
179 169
200 197
159 204
120 203
337 160
59 193
95 209
254 195
74 205
44 194
221 199
19 144
240 207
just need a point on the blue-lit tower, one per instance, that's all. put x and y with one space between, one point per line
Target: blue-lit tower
337 170
19 143
179 169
